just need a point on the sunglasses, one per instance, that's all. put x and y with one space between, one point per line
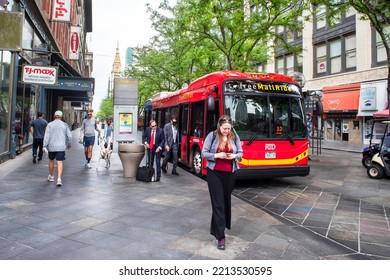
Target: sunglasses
153 125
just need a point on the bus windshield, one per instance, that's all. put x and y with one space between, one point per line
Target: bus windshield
267 117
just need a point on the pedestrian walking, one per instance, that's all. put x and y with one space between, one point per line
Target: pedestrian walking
171 140
88 128
110 133
37 129
57 139
153 139
222 149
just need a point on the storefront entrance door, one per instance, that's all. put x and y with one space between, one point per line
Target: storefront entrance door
345 131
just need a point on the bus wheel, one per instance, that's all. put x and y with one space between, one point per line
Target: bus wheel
197 163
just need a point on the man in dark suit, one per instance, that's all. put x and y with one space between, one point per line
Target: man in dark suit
171 136
153 138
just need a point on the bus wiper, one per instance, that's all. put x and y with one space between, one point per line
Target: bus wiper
260 128
287 133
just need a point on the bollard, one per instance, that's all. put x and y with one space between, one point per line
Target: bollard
131 156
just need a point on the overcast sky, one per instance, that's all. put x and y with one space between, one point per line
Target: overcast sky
123 22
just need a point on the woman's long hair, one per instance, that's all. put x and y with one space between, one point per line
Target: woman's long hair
222 120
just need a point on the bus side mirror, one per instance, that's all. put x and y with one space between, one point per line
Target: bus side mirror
210 103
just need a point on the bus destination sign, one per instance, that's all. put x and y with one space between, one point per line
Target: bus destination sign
259 86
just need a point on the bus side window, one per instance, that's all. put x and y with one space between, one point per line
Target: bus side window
183 114
212 119
197 115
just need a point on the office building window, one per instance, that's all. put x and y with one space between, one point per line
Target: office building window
261 67
321 59
289 36
350 52
320 17
288 63
299 66
336 56
280 65
379 51
322 22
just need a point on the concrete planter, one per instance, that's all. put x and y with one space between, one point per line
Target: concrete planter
131 156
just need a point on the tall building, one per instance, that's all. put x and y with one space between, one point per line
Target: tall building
129 57
116 71
344 63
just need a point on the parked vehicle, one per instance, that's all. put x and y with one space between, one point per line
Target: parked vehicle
367 154
375 136
380 162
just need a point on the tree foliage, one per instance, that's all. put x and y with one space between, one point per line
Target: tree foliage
196 37
106 108
241 31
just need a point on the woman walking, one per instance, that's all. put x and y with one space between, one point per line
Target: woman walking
222 149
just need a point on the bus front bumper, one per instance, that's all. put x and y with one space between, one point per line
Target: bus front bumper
272 172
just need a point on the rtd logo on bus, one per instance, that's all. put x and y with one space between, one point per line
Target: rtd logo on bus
270 147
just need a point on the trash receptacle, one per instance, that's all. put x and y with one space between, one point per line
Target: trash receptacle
131 156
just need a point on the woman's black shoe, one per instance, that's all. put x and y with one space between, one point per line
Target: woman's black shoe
221 244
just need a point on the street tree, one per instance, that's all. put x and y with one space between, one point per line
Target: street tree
106 107
241 31
196 37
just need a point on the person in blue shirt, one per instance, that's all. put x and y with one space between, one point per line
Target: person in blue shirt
109 133
37 129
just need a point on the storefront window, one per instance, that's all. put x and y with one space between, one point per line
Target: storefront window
28 35
25 109
5 72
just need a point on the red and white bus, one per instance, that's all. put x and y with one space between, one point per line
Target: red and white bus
267 113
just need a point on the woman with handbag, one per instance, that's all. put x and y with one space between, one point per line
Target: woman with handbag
222 149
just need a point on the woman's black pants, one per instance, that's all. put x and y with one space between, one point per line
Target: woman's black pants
220 185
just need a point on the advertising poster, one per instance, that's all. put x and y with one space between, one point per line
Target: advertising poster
125 123
368 99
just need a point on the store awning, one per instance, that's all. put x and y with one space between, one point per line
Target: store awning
344 98
382 114
73 88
